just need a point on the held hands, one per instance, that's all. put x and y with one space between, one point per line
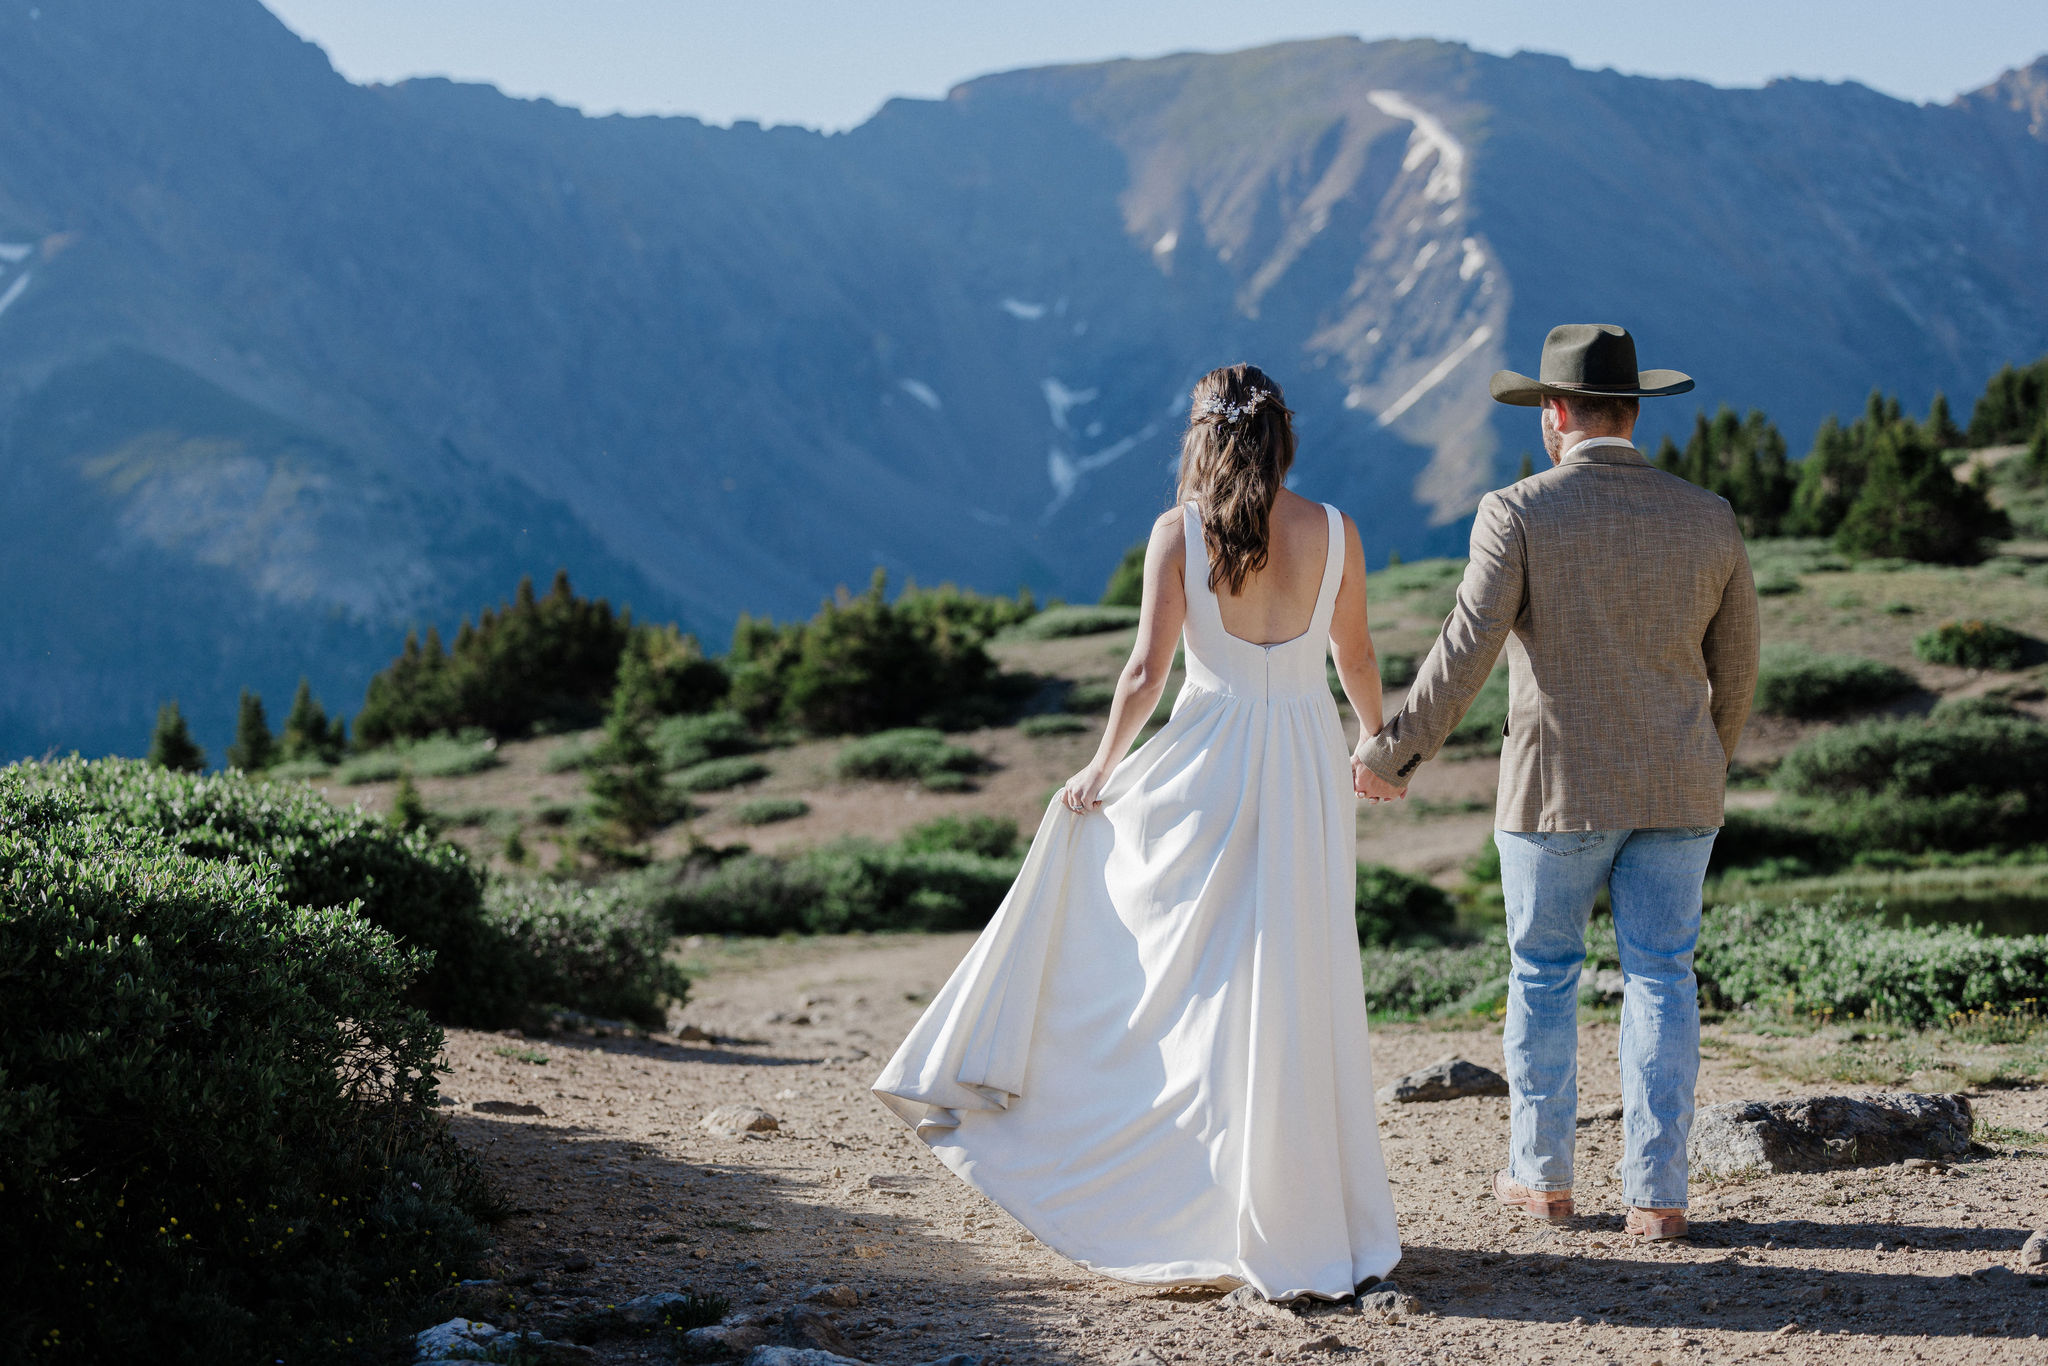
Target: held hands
1370 785
1083 792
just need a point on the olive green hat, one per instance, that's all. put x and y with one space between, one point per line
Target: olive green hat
1587 359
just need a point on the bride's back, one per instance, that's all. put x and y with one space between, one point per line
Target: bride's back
1278 601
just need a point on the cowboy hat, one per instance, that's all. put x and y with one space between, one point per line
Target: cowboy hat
1587 360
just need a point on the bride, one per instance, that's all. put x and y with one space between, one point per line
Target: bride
1154 1057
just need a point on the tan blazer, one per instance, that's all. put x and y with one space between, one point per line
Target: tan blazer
1624 598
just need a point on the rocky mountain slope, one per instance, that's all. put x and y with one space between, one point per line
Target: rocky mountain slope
287 364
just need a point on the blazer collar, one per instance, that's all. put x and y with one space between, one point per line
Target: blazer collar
1603 450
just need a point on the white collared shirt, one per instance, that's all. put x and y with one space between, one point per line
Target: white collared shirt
1593 441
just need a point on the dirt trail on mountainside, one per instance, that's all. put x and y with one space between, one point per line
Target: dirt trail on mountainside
617 1177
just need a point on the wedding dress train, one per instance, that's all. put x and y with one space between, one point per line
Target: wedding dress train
1154 1057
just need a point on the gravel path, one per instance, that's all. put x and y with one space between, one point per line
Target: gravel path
618 1191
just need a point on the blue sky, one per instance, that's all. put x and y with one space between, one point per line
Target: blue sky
830 63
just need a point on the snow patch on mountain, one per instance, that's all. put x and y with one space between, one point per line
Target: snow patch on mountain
920 391
1430 139
1022 309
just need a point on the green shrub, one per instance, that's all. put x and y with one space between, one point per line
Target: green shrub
1423 981
1974 645
682 741
1054 723
1990 756
768 810
1829 960
716 775
378 766
1398 670
1777 585
1058 623
426 893
848 886
574 754
1393 906
1797 682
908 753
298 770
593 951
450 756
988 836
218 1139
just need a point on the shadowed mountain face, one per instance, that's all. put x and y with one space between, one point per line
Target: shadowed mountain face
287 364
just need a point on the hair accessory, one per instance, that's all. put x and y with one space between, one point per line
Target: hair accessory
1234 413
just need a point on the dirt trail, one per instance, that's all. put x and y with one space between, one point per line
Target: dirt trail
617 1173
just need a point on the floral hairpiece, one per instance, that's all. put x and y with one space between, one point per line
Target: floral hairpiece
1234 413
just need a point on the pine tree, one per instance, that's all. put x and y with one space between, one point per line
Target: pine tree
1940 429
171 745
626 784
308 734
1526 468
254 748
408 808
1393 559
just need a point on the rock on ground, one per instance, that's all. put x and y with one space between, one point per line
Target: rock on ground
1388 1298
734 1120
1819 1133
797 1356
2034 1252
1448 1079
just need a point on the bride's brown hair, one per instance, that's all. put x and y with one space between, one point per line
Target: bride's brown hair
1234 457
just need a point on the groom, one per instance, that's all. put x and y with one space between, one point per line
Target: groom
1623 597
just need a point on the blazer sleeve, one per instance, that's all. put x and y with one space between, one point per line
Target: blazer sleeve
1730 650
1490 601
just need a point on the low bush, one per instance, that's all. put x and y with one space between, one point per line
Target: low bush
1777 585
426 893
848 886
768 810
298 770
1797 682
1054 723
1398 670
218 1139
1395 907
574 754
1126 587
716 775
1422 981
1974 645
450 756
1058 623
1991 756
683 741
378 766
1830 960
913 752
988 836
596 951
1418 576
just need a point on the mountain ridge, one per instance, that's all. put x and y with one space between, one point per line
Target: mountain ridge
714 370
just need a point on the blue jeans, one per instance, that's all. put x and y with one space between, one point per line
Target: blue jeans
1654 879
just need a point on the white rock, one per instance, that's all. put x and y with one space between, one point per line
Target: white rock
797 1356
731 1121
456 1340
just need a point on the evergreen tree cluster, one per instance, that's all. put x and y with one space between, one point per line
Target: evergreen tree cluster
1743 460
2013 408
1879 487
864 663
533 660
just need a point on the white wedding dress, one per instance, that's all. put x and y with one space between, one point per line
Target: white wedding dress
1154 1057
